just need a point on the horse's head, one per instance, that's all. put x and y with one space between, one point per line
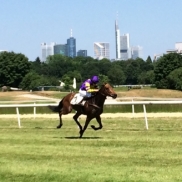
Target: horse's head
107 90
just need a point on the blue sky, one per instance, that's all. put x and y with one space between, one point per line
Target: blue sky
153 24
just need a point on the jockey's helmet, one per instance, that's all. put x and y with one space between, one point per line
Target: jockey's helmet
95 79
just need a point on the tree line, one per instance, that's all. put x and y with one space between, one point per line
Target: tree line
17 71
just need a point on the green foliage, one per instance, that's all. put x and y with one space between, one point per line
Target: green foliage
103 79
164 66
13 68
30 81
175 79
146 77
116 75
132 72
59 67
33 80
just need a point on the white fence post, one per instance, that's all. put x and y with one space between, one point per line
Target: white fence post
18 115
34 111
145 115
133 109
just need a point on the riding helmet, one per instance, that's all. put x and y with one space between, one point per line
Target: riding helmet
95 79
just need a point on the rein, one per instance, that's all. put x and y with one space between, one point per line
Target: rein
99 92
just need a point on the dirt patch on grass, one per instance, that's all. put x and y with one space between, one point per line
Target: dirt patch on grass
160 93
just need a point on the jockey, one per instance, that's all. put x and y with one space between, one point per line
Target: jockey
87 88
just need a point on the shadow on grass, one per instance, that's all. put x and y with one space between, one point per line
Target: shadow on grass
72 137
77 137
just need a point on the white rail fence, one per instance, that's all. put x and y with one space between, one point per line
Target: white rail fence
144 103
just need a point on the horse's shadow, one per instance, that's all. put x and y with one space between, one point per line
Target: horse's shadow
77 137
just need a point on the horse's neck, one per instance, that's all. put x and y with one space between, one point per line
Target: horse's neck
100 99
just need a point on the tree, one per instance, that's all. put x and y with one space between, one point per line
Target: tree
116 75
175 79
132 72
13 68
103 79
36 65
30 81
164 66
104 66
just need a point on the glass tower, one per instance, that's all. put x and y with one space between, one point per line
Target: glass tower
82 53
71 47
60 49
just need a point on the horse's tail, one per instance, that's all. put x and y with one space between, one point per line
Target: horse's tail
56 108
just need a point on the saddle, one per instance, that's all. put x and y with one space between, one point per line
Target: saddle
79 100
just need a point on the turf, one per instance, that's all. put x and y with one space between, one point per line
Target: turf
122 151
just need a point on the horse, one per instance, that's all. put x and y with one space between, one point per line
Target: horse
92 108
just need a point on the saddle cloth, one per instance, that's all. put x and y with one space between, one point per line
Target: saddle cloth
77 100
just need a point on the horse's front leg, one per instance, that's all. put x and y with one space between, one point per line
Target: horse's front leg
98 118
85 126
75 117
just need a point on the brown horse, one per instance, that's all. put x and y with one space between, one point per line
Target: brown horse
92 108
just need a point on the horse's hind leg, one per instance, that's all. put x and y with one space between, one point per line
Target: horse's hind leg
60 120
63 111
98 118
85 127
75 117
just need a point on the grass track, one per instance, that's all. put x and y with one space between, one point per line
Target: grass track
122 151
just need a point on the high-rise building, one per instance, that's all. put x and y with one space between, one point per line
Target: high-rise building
136 52
82 53
71 46
125 47
60 49
101 50
47 50
178 47
117 36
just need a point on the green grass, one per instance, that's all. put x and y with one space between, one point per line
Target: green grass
122 151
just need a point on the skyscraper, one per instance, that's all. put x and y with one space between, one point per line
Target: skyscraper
82 53
125 47
47 50
117 36
71 46
101 50
136 52
60 49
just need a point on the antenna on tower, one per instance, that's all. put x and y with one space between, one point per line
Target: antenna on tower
71 33
117 15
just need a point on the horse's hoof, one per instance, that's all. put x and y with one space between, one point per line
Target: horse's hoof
93 127
81 133
58 127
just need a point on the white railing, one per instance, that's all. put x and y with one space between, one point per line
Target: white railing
144 103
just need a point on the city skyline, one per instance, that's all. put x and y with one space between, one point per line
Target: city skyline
151 24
